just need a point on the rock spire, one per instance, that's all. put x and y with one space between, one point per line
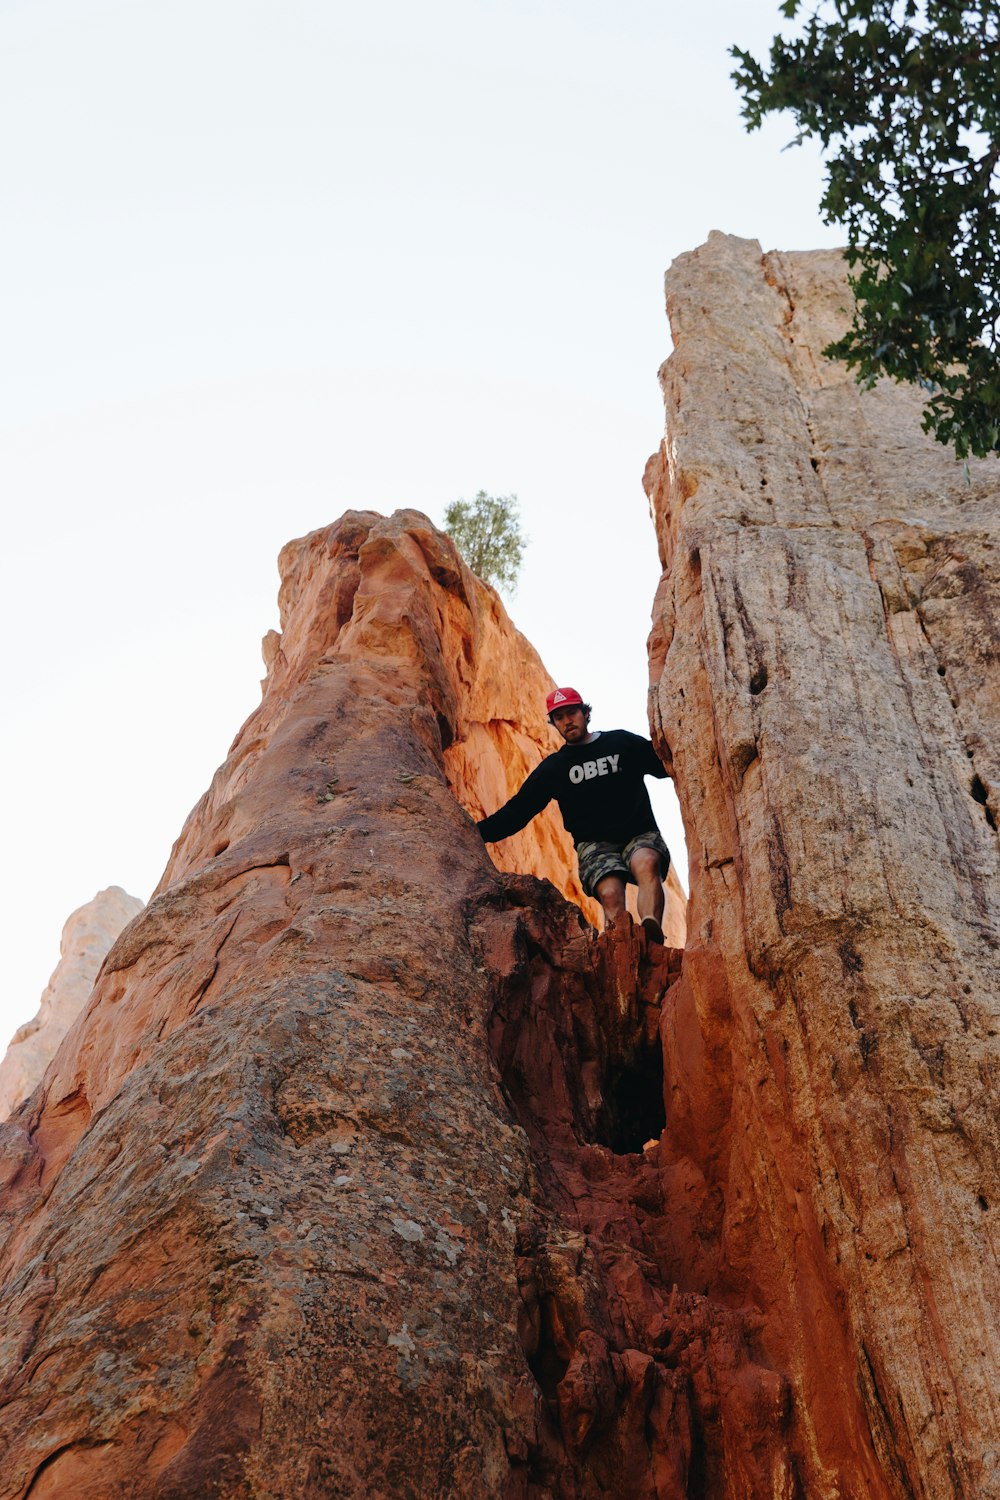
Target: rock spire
86 937
270 1224
828 681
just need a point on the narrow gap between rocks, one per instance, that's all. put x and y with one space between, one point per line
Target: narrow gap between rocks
576 1031
633 1096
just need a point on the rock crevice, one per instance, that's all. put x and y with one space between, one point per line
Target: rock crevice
646 1386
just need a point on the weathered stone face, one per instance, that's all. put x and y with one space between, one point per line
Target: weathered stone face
825 640
86 938
369 1170
266 1221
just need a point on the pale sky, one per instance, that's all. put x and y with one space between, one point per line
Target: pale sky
264 262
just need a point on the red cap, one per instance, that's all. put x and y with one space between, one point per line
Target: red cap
562 698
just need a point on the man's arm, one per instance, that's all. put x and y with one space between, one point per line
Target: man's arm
535 794
654 765
649 763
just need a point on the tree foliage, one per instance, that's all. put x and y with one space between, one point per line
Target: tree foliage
905 97
487 532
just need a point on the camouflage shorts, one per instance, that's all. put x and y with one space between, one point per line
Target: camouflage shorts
600 860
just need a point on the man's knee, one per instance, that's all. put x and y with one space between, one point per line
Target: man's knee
610 893
646 865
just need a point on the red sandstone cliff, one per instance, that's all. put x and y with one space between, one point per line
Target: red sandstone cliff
273 1223
370 1170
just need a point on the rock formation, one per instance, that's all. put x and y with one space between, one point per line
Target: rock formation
271 1224
372 1170
825 654
86 938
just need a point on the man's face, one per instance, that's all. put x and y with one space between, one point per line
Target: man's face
571 723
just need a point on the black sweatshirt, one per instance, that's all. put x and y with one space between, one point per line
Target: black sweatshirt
599 787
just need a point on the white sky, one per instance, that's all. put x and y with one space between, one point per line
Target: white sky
262 262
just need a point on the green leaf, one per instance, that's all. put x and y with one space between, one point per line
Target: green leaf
895 94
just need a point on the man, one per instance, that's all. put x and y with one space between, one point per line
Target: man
597 780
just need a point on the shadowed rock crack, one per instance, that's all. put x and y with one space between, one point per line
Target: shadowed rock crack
641 1384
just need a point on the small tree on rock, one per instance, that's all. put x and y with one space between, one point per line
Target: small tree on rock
487 532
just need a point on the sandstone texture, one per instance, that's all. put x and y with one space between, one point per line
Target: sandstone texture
86 938
826 680
344 1182
372 1170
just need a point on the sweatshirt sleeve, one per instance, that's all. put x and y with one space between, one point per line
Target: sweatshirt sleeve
652 765
535 794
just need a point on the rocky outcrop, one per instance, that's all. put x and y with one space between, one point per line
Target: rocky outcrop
826 668
86 938
273 1223
372 1170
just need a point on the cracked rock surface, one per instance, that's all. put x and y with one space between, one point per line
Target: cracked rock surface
258 1225
825 654
343 1184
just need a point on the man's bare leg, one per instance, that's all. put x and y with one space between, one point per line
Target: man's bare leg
611 894
645 866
